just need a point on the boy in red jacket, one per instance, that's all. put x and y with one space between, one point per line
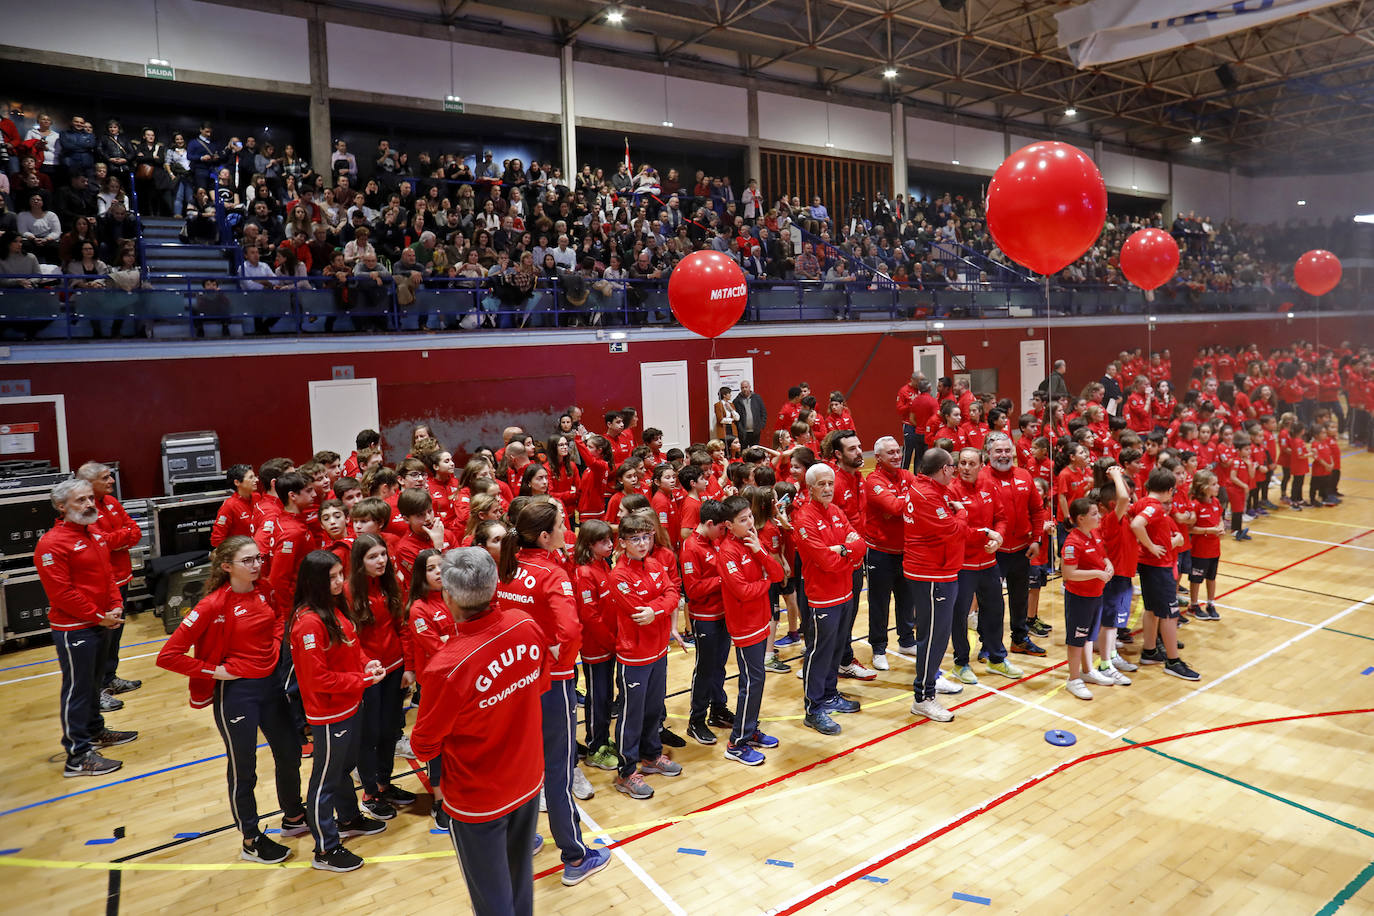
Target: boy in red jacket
701 580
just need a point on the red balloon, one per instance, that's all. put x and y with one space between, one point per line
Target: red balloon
1149 258
1317 272
707 291
1046 206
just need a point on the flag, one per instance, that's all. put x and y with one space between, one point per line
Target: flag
628 167
1105 31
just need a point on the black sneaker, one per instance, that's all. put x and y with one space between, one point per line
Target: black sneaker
671 738
261 849
1027 648
378 807
1123 636
1212 612
90 764
340 859
121 685
111 738
109 702
698 732
1153 656
1179 668
398 796
362 825
721 718
441 818
1038 627
1183 618
294 826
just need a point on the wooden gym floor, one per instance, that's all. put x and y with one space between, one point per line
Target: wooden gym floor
1251 791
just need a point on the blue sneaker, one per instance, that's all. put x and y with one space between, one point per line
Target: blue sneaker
840 703
538 844
759 739
791 639
592 862
744 754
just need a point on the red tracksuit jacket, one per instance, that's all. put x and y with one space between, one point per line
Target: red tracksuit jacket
828 577
745 577
330 675
74 567
636 584
982 502
1025 510
382 639
121 532
701 579
884 503
238 631
592 585
542 589
429 623
935 533
291 541
235 517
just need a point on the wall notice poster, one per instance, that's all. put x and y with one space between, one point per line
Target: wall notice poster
17 438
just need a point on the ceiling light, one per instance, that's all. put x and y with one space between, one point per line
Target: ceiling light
954 162
615 17
938 325
1302 203
452 98
830 146
667 123
890 73
1290 316
1070 111
1365 218
1135 187
618 335
1196 138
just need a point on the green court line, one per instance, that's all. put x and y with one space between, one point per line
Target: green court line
1351 889
1344 633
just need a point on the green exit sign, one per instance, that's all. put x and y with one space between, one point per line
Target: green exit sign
159 72
454 105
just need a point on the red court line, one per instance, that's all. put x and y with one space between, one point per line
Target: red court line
1324 550
1013 793
1268 569
805 769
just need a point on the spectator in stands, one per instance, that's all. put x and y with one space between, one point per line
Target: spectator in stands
115 228
78 146
202 226
83 230
342 162
17 266
488 170
29 178
40 229
117 152
74 201
126 274
388 164
178 167
269 225
808 266
152 184
110 193
360 245
204 157
86 264
43 132
371 291
257 275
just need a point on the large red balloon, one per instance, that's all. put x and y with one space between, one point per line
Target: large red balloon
707 291
1149 257
1046 206
1317 272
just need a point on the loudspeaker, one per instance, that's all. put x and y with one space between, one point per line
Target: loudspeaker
1227 77
953 6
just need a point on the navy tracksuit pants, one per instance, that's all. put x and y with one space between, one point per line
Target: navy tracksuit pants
242 708
559 706
708 672
496 861
330 798
81 656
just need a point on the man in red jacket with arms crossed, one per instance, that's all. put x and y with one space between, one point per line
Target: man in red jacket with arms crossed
121 532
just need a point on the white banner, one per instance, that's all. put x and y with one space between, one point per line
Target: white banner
1105 31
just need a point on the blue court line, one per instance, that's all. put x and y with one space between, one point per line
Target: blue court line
1368 671
437 831
778 862
117 782
103 841
972 898
9 852
49 661
185 836
691 852
875 879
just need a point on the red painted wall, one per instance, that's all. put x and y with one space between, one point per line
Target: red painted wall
260 405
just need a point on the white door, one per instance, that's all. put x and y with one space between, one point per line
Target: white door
663 390
930 362
722 373
339 410
1032 369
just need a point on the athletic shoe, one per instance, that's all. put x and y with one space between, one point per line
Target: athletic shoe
122 685
774 665
1079 689
362 825
398 796
743 753
1212 612
339 859
537 845
110 738
880 662
932 710
1027 648
1267 504
581 786
663 766
759 739
109 702
633 786
982 655
379 808
1183 618
820 720
1118 679
91 764
1249 516
403 748
294 827
698 732
1194 610
945 685
857 671
839 703
791 639
1006 669
592 862
1153 656
688 640
1038 627
581 698
1261 511
1243 535
440 816
1124 637
307 750
721 718
1295 505
1121 664
907 651
1100 678
1178 643
261 849
801 672
604 758
1178 668
964 674
671 738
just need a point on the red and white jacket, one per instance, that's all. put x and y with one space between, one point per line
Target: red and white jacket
430 625
885 501
592 586
936 532
73 565
121 532
482 716
330 674
383 638
542 589
701 579
745 577
827 576
636 584
235 517
237 630
982 501
1025 509
291 541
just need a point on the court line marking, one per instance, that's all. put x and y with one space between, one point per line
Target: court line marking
635 868
1331 544
1296 562
1036 705
1311 628
34 677
48 661
890 855
1350 890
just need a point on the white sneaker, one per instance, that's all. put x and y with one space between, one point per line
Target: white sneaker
1100 678
945 685
581 786
801 672
907 651
403 748
543 805
880 663
1118 678
932 710
1079 689
1121 664
857 671
972 620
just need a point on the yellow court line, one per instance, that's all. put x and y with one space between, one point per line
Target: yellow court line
1324 521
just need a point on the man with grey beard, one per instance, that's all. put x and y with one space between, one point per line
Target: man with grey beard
1027 520
73 562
